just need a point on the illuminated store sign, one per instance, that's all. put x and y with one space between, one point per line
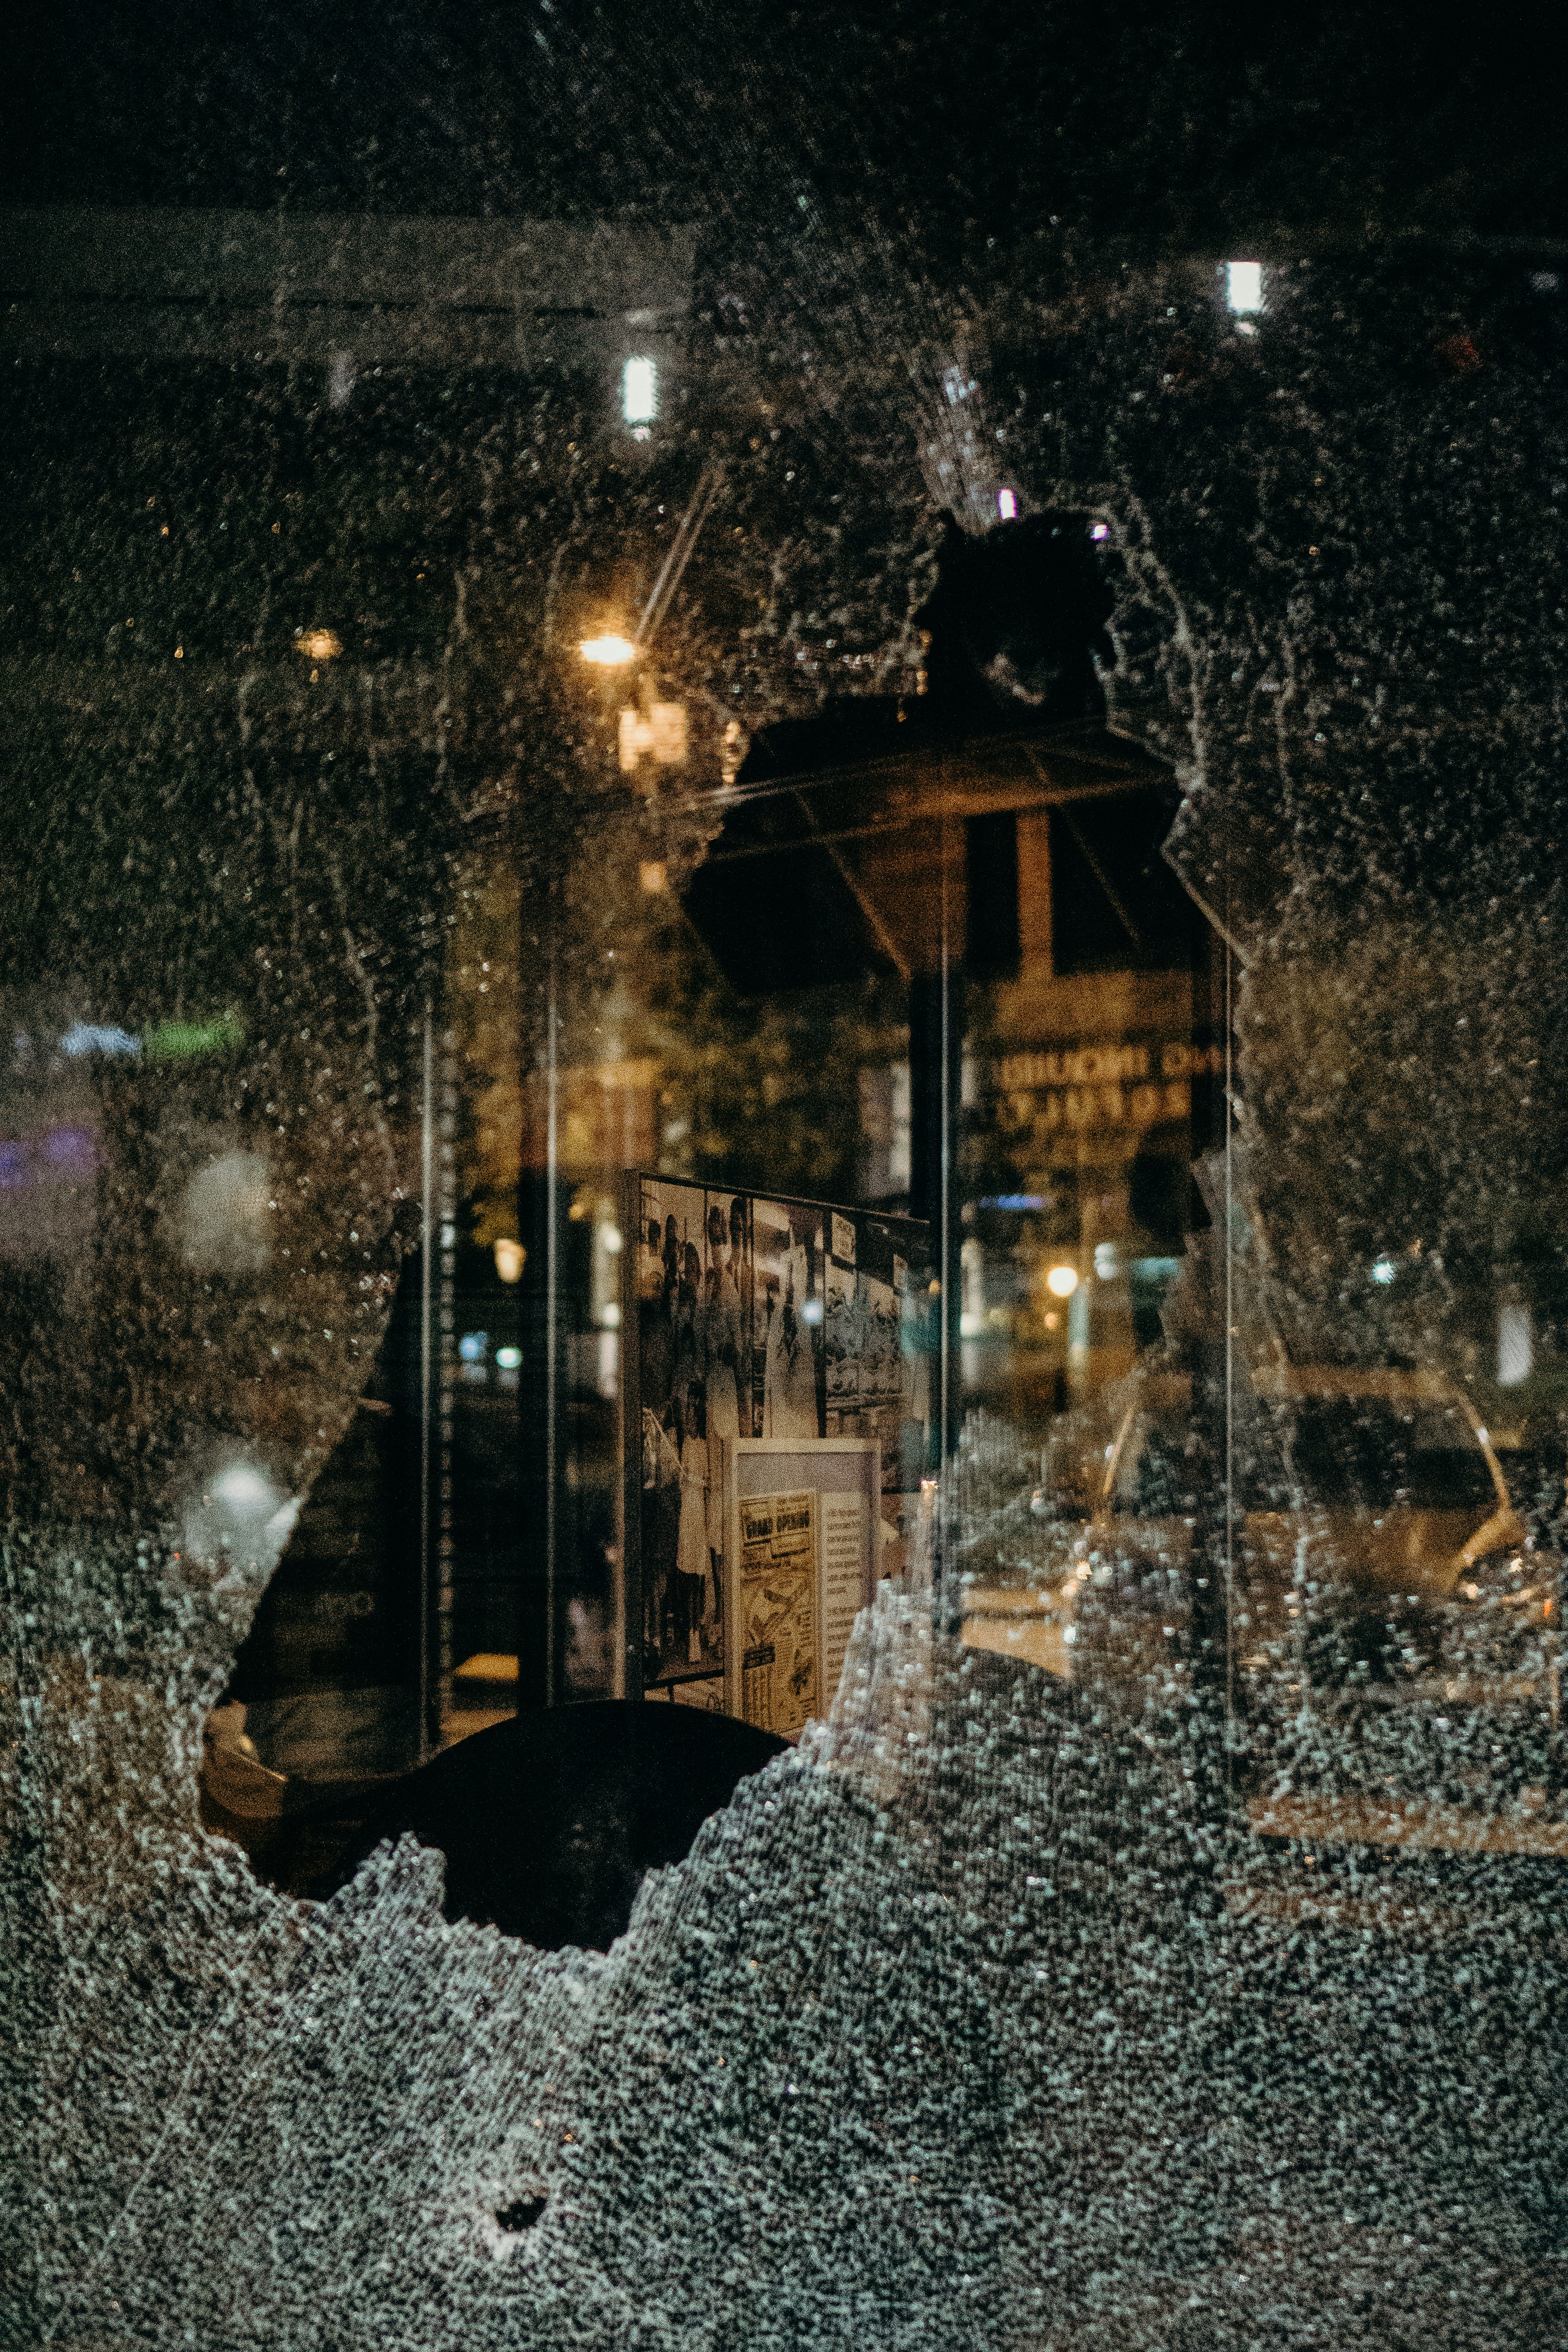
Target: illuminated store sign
1111 1085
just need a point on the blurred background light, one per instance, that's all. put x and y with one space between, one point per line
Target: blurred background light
82 1037
610 652
245 1489
237 1517
639 390
1244 286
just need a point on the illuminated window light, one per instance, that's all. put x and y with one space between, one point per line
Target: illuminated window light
511 1257
471 1347
639 392
1099 532
1008 506
1062 1281
1244 286
509 1358
1515 1346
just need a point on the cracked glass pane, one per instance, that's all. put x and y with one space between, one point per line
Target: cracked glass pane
781 1298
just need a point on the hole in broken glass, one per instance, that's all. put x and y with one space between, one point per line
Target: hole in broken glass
547 1823
519 2214
547 1820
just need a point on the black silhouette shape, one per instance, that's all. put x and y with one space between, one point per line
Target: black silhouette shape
550 1823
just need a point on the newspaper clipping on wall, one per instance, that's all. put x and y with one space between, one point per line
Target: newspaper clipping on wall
778 1628
801 1562
845 1555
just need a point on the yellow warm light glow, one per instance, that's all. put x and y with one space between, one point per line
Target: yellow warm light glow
487 1666
610 653
318 644
1062 1281
511 1258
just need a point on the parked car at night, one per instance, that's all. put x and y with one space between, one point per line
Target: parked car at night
1374 1540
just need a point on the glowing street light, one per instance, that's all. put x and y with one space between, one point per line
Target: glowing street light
608 651
318 644
1061 1281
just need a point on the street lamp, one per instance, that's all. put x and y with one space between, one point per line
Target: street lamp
655 730
608 651
318 644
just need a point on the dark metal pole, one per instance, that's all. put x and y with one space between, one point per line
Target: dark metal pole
630 1675
1214 1367
552 1311
425 1590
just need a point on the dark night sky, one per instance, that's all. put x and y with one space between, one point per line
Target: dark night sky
1139 123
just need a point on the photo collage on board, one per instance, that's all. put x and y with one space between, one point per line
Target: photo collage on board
695 1315
755 1318
878 1334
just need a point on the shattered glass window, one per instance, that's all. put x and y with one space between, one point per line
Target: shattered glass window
784 1324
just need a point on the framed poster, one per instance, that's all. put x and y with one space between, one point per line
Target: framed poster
748 1316
801 1556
